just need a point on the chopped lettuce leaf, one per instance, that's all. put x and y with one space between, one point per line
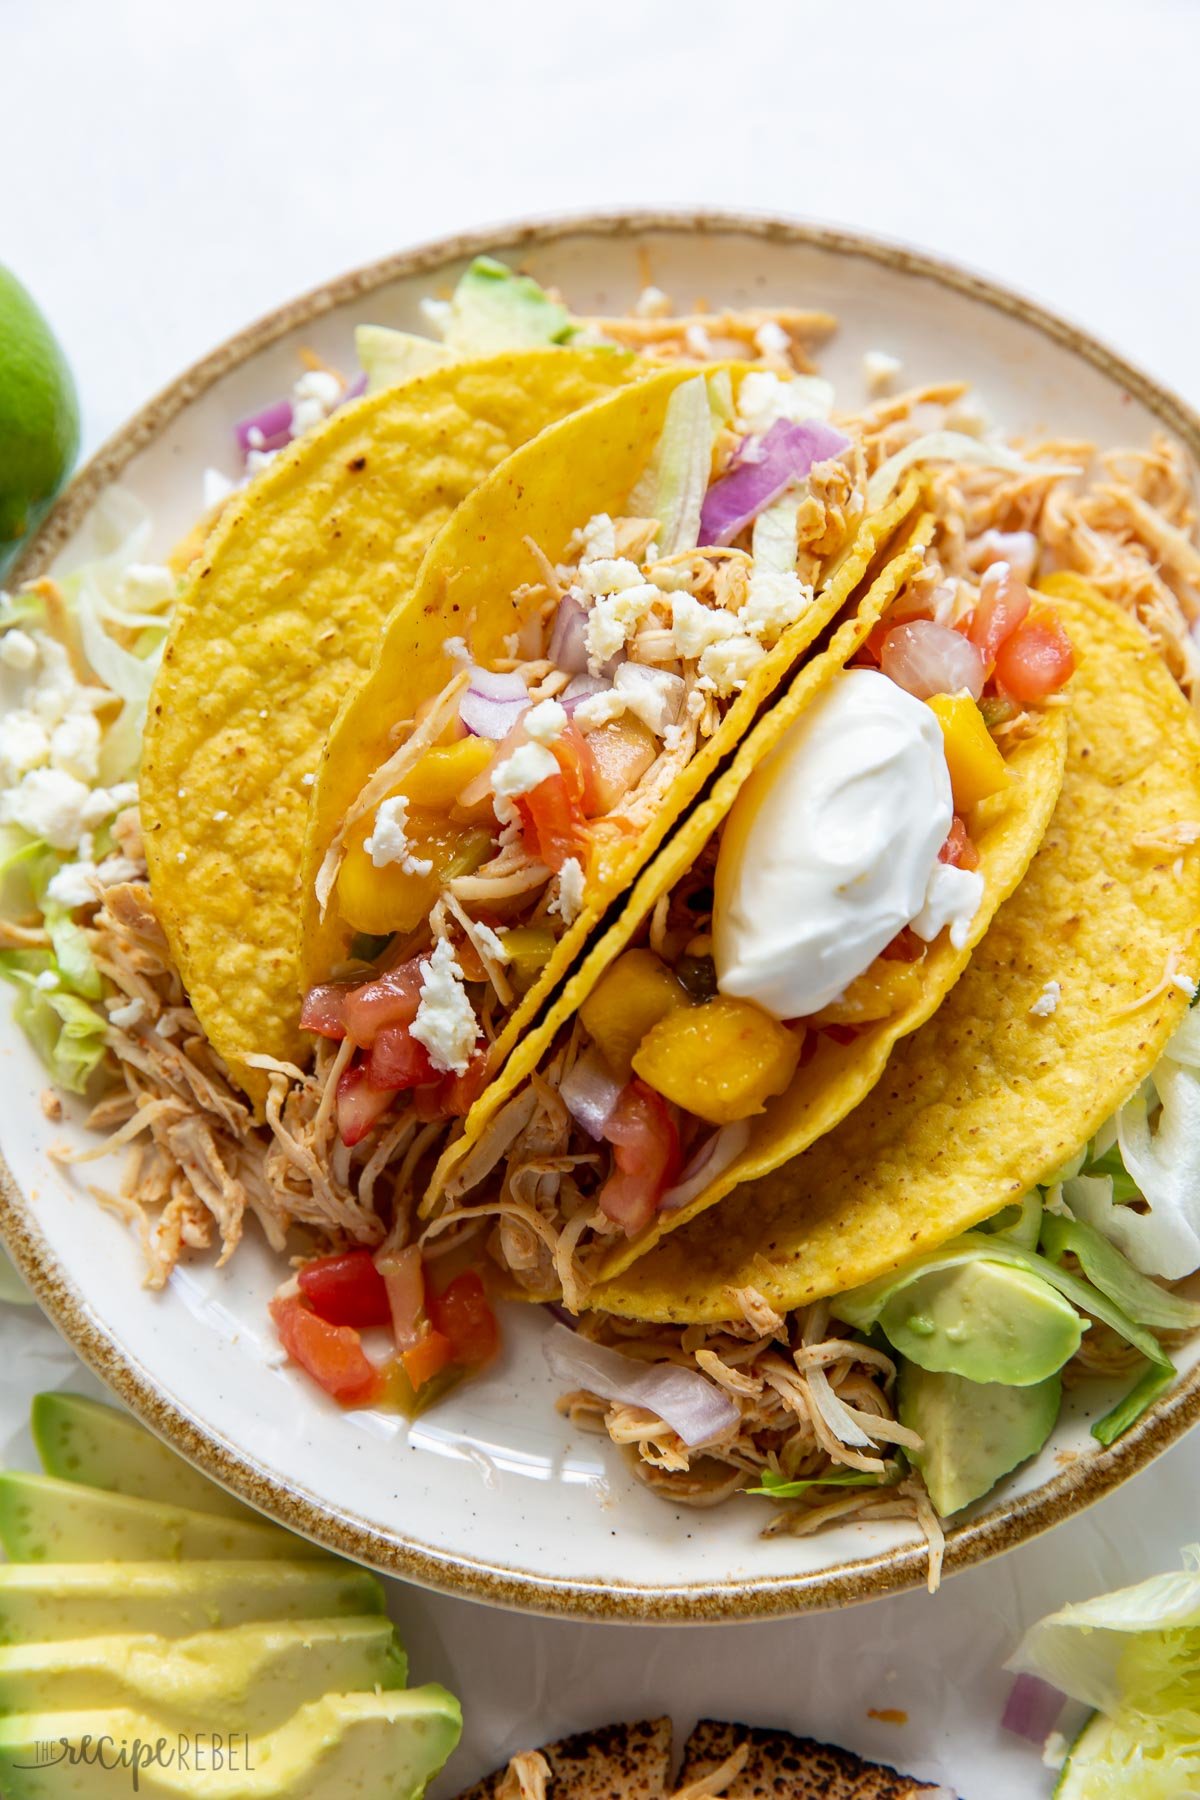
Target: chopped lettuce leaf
74 963
778 1487
1021 1222
1124 1187
954 447
1135 1657
673 487
1142 1395
1138 1297
66 1032
390 356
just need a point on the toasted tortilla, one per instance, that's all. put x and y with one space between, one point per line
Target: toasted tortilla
989 1097
282 615
779 1766
471 585
614 1762
1006 831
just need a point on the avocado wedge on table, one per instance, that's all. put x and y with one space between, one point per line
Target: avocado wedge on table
43 1519
342 1747
248 1679
85 1441
42 1602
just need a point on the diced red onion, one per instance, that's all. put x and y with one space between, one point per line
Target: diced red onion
269 429
356 389
654 695
581 689
590 1092
927 659
711 1159
493 703
567 649
695 1409
404 1277
1032 1709
766 466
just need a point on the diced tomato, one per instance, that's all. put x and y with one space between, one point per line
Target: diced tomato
358 1106
958 850
460 1092
841 1034
427 1358
396 1060
1036 660
578 765
1003 604
403 1276
552 821
465 1319
324 1010
332 1354
645 1141
346 1289
391 999
906 946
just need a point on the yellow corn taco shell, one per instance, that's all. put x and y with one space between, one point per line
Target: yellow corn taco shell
991 1096
1006 830
282 615
471 584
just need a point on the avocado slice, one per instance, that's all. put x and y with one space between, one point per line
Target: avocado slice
50 1601
390 356
83 1440
984 1320
250 1678
342 1747
493 308
974 1431
43 1519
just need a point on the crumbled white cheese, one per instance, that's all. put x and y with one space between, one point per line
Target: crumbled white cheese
598 540
727 665
614 619
651 303
314 397
445 1021
545 722
603 575
47 981
75 746
880 370
18 650
763 399
526 768
115 869
652 695
568 900
599 709
73 885
673 737
697 341
49 804
488 942
771 339
1185 984
1047 1001
696 626
388 842
773 602
24 743
456 649
131 1013
952 898
257 460
215 488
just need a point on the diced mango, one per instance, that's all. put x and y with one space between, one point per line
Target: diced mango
622 751
878 993
976 766
389 899
626 1002
530 948
441 774
721 1061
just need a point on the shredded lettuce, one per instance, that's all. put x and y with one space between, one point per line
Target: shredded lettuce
66 1032
954 447
1135 1657
390 356
1138 1297
778 1487
73 960
673 487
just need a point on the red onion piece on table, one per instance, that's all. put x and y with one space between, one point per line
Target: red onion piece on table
493 703
927 659
694 1408
568 640
711 1159
1032 1708
590 1092
581 689
269 429
767 466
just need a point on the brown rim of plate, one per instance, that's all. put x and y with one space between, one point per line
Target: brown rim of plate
1003 1526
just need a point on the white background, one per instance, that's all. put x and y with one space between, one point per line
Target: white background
172 170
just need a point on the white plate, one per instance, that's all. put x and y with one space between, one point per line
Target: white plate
492 1495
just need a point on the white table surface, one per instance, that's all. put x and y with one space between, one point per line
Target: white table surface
171 171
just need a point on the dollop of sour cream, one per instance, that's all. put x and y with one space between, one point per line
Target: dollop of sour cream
832 846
